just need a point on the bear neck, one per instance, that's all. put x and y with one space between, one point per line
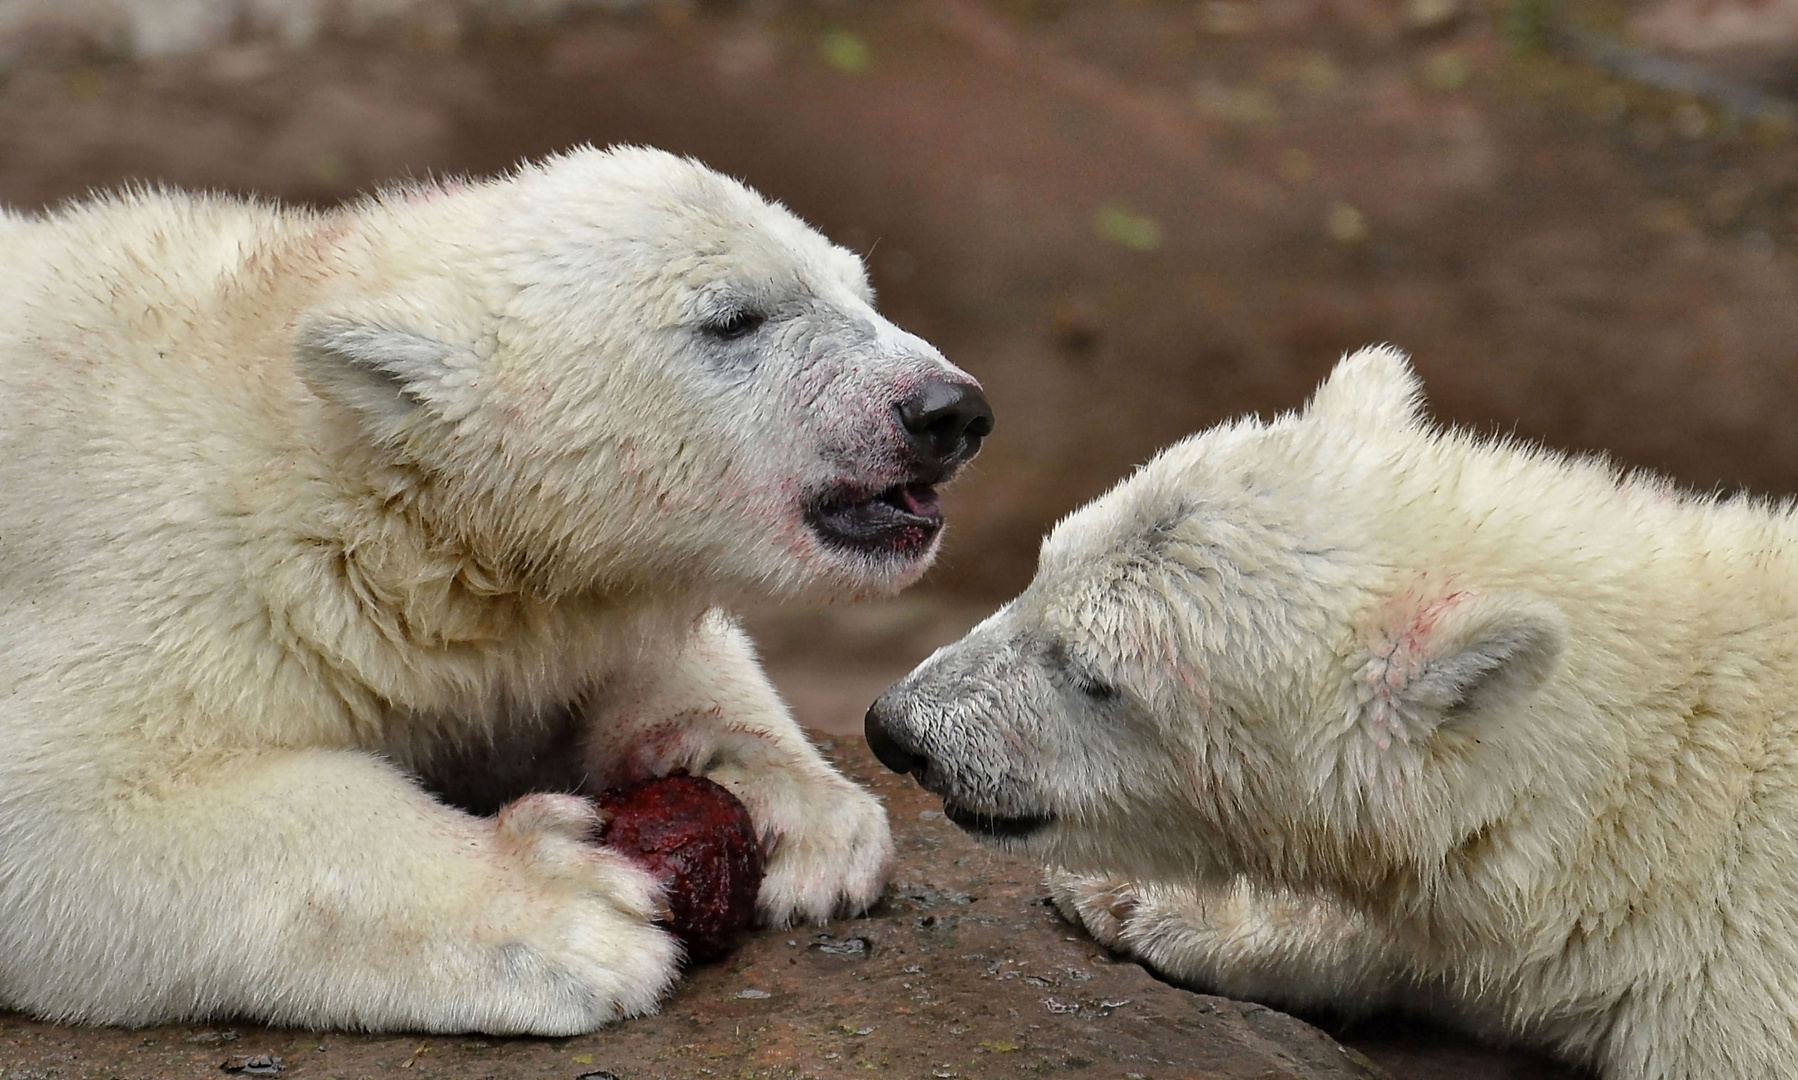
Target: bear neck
426 609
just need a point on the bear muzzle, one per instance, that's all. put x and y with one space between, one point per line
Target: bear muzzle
943 422
889 744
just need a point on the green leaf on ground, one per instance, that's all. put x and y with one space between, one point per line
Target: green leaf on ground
1126 228
846 52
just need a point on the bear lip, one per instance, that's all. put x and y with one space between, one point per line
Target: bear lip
994 827
900 521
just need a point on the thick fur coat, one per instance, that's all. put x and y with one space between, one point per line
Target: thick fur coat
1343 710
322 534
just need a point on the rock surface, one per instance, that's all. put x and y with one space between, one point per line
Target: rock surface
961 971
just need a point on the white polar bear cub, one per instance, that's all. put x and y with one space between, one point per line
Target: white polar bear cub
1345 711
319 531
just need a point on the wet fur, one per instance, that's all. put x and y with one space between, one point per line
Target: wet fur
315 524
1342 710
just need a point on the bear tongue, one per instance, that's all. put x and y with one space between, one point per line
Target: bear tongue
919 499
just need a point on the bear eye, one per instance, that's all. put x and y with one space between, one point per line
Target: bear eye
1091 687
737 324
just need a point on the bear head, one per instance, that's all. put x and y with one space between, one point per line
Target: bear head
618 370
1278 649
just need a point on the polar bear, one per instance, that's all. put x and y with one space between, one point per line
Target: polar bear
319 531
1345 711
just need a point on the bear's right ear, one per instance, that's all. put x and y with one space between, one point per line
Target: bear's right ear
1374 387
394 378
1454 659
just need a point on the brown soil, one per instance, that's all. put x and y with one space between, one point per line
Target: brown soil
1129 219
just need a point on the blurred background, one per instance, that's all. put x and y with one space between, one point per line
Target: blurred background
1128 218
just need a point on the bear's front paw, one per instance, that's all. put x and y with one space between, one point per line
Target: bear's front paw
1101 904
829 847
1165 929
553 836
1175 931
582 952
1234 939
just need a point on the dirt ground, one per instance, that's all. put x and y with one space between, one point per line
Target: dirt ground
1128 219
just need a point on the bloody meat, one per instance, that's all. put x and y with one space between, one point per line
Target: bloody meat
697 837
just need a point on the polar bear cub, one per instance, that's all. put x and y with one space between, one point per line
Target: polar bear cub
319 531
1343 710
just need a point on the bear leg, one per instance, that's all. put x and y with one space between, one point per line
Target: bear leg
713 712
323 889
1239 940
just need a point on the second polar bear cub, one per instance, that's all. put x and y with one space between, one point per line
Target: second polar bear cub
322 533
1343 710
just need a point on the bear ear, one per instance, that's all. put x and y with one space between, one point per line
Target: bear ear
391 376
1453 660
1374 387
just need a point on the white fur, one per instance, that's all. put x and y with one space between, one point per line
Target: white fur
298 509
1344 710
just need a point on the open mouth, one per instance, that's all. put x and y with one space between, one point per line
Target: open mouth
900 521
990 827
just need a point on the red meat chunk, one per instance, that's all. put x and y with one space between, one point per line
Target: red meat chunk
696 837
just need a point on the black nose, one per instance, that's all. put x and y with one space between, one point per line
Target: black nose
891 752
946 421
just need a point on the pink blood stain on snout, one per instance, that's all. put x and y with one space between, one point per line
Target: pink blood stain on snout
698 839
